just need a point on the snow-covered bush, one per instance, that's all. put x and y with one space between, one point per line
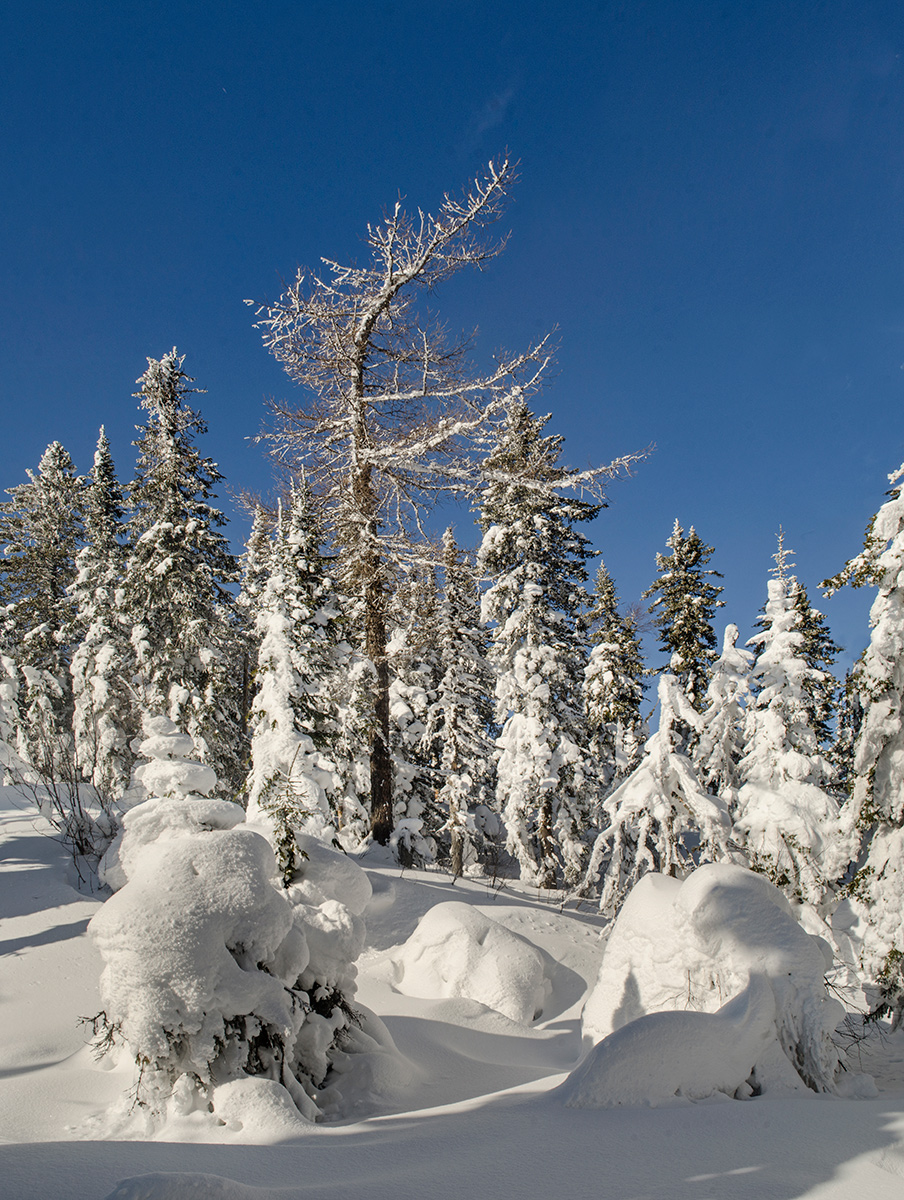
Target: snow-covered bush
694 945
458 951
214 971
202 957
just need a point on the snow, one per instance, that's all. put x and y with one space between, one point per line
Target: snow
442 1096
696 944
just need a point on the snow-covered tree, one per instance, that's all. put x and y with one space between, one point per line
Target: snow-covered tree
41 527
659 818
393 410
534 559
613 684
718 752
175 586
293 781
685 603
875 811
819 651
787 817
100 664
458 735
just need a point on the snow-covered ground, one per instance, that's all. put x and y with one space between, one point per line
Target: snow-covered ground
456 1098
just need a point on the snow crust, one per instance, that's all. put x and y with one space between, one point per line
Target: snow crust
457 951
695 945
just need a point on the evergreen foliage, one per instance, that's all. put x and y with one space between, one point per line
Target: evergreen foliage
720 746
41 526
534 560
659 818
684 606
458 734
787 816
101 662
293 781
613 684
875 812
185 634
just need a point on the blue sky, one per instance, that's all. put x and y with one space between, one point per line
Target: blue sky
709 212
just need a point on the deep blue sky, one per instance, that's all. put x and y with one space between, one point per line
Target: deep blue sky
710 212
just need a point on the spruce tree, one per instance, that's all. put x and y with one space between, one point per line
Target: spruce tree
684 607
293 781
458 735
175 587
613 684
534 560
41 526
659 818
787 816
719 748
875 812
100 664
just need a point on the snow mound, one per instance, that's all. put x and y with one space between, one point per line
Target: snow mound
182 1185
694 945
162 818
458 951
260 1110
666 1055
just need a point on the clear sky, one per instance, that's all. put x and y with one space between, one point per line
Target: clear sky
710 212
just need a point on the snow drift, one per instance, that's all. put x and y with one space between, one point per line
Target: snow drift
695 945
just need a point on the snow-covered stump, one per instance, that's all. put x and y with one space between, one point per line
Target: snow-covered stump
695 945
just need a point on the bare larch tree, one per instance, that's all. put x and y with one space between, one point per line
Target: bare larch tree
394 411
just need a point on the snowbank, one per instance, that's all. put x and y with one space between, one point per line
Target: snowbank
694 945
665 1055
457 951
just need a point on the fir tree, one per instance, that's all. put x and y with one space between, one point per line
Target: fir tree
659 818
175 588
42 526
685 604
293 780
720 747
875 812
819 651
458 736
535 560
100 664
787 817
613 684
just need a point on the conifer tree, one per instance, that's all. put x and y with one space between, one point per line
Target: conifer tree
100 664
719 749
613 684
175 587
534 560
875 812
819 651
659 818
685 604
293 780
41 526
460 719
787 817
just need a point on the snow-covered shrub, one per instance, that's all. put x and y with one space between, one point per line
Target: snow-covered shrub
695 944
202 958
458 951
214 970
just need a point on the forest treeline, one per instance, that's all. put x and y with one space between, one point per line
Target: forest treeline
351 678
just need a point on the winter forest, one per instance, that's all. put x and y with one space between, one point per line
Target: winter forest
415 695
